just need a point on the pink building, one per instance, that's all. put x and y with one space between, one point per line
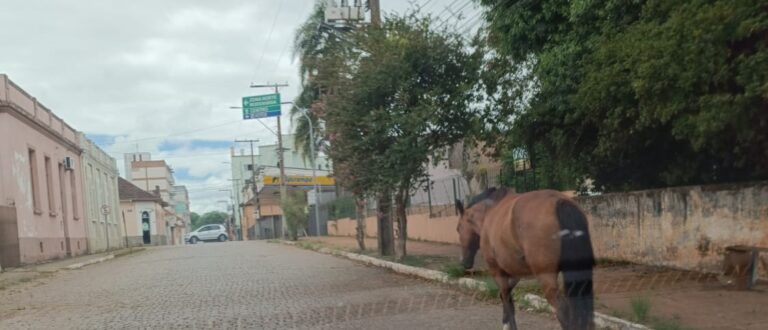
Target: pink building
41 196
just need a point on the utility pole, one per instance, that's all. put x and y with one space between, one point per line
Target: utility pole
105 209
280 149
253 184
375 12
232 221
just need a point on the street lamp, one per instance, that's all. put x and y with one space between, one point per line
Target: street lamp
313 156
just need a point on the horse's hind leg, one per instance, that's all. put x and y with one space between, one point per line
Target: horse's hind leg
548 282
506 284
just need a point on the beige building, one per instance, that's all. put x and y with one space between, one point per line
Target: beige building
41 196
155 175
143 215
104 229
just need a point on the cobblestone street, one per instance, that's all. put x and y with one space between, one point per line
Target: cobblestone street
246 285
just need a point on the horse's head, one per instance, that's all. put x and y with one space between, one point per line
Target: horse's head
469 235
471 221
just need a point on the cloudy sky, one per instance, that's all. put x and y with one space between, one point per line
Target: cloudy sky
160 76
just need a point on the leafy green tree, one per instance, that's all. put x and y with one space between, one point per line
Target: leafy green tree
406 102
294 207
212 217
632 94
194 219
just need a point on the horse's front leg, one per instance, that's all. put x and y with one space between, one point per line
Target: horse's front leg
506 284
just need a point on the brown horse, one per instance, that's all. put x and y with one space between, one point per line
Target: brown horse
539 233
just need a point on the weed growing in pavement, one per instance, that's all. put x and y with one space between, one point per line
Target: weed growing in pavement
666 324
641 307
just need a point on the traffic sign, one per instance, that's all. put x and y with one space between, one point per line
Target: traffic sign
261 106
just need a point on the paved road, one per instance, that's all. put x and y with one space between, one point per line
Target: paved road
244 285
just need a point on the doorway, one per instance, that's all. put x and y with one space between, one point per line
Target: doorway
9 238
145 228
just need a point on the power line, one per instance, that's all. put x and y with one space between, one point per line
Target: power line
174 156
445 21
269 37
177 133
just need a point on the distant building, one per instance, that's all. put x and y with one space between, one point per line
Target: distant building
133 157
41 194
143 215
264 221
104 231
156 175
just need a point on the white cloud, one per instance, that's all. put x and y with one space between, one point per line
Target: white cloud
145 69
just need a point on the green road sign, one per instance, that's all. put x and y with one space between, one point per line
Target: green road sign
261 106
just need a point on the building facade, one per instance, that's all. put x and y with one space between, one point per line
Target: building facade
104 229
245 167
156 175
143 215
41 195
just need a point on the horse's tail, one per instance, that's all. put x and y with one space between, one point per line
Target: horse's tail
576 311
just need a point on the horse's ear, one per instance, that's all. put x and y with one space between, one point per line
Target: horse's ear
459 207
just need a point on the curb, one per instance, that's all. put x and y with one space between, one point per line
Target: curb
90 262
601 320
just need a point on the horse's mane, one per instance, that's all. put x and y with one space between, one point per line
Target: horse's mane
490 193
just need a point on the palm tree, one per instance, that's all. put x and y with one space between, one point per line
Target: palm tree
322 51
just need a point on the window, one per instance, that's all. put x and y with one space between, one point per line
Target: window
99 196
249 167
91 190
33 181
107 197
49 186
73 187
62 184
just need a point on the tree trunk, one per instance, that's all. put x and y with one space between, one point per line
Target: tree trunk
360 217
385 230
401 199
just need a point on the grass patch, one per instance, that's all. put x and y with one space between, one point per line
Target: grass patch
641 308
415 261
454 270
307 245
656 323
25 279
491 289
522 289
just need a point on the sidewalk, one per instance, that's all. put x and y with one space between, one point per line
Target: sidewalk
675 299
23 274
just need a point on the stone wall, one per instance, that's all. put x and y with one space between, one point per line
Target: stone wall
683 227
420 227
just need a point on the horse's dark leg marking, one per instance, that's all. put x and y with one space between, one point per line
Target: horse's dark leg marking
506 284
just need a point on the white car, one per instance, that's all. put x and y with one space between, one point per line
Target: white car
207 233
